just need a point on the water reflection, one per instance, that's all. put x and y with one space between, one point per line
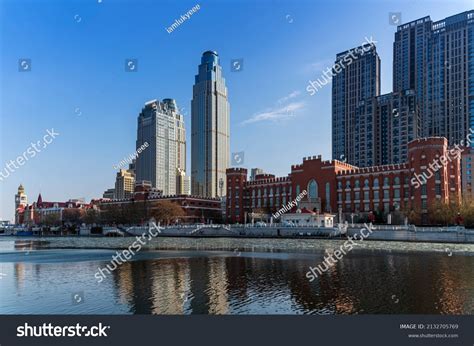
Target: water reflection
224 282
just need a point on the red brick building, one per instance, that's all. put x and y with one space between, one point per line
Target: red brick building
337 187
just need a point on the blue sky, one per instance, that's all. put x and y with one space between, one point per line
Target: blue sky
78 85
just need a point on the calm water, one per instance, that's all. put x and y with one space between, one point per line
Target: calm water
233 276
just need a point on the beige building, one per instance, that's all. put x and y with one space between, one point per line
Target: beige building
183 183
124 184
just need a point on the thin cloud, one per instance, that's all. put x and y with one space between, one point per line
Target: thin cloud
289 97
280 113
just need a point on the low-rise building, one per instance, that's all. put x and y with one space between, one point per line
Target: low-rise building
431 173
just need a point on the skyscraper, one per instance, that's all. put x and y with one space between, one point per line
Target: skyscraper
210 129
411 50
162 127
358 81
384 127
451 77
436 59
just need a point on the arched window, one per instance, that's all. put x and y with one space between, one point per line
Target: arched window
348 184
357 183
397 181
376 182
339 185
312 189
366 183
386 181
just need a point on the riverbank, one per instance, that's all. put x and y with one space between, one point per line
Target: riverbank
379 232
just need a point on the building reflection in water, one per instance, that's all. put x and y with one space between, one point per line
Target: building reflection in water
213 283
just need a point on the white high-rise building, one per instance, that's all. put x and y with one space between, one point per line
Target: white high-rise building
161 126
210 129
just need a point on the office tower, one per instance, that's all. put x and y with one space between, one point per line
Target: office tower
385 125
411 51
124 184
254 172
436 59
161 126
358 80
451 77
210 130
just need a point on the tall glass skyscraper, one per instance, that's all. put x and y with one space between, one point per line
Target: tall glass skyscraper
433 93
436 59
358 81
162 127
210 129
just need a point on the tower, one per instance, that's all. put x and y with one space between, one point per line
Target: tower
210 128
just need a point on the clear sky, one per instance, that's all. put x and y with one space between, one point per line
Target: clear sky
78 85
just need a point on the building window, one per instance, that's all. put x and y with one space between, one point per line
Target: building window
386 181
366 183
366 195
376 182
357 195
348 184
312 190
328 197
357 184
397 181
376 195
423 189
396 193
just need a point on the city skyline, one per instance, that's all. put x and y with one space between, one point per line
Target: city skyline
78 120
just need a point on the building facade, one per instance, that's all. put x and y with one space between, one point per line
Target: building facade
385 125
43 212
338 187
21 201
161 126
433 74
109 194
124 184
210 128
359 80
467 160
